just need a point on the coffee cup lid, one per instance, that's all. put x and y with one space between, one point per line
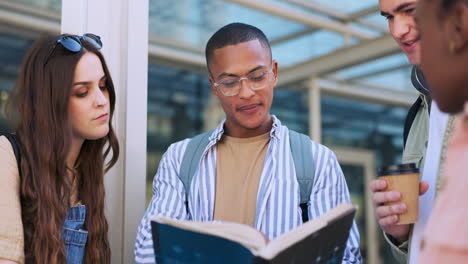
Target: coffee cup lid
398 169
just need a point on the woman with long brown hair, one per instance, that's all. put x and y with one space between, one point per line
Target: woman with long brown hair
53 202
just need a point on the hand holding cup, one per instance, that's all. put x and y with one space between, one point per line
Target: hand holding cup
395 198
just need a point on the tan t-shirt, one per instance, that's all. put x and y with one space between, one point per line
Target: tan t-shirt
239 167
11 226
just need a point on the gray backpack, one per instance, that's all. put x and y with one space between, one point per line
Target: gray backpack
301 149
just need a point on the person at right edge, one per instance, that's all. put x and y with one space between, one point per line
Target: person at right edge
444 41
424 132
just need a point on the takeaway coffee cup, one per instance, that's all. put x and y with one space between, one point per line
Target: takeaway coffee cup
403 178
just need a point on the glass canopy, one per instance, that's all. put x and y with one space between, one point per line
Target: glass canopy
300 31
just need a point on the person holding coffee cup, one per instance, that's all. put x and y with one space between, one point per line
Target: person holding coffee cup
425 128
444 53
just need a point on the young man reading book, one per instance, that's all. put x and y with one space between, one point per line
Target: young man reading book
246 173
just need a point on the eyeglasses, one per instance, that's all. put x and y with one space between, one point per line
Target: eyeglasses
257 80
73 43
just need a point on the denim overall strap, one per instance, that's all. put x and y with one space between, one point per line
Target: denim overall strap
74 235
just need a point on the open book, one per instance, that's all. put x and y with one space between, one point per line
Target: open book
321 240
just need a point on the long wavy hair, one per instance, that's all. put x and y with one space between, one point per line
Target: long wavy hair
40 99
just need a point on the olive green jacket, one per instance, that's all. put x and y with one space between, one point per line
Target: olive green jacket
414 152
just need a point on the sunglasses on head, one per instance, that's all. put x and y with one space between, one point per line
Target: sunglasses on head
73 43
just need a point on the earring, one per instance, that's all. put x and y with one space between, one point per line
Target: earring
452 47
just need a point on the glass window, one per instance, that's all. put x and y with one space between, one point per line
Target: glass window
45 5
178 108
363 125
358 124
291 108
13 47
15 40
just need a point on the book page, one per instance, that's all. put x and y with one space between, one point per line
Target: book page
288 239
245 235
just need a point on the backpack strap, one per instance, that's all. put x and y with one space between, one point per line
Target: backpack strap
15 145
191 159
301 149
412 112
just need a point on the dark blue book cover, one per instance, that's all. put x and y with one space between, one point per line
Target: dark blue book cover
319 241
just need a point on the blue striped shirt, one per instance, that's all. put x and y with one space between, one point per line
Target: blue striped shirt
278 196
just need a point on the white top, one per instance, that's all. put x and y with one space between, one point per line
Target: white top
437 126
